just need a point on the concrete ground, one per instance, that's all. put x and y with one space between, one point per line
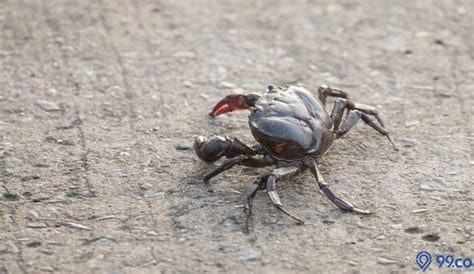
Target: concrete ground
100 101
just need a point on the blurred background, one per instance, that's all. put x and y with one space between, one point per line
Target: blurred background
100 100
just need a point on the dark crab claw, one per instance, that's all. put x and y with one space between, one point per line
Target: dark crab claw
210 150
213 148
233 102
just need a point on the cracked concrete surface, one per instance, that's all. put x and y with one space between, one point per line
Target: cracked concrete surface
100 100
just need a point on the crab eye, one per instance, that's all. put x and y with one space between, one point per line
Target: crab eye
279 148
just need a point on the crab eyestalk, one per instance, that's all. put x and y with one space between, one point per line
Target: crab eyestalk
233 102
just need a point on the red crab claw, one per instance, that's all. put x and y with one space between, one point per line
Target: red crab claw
233 102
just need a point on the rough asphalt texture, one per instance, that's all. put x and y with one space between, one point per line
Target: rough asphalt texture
100 100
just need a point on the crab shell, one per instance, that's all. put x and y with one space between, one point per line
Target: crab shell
291 124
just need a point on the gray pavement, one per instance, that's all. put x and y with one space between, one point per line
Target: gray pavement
100 101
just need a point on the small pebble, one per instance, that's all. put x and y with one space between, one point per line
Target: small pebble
443 94
121 174
185 54
48 269
160 196
104 242
33 244
29 177
108 217
385 261
46 251
397 226
78 226
32 215
225 84
13 248
230 222
41 164
52 91
187 84
65 142
148 162
183 148
6 123
249 255
352 263
36 225
439 42
420 87
390 206
59 141
431 237
72 124
426 187
413 230
146 186
406 142
79 153
461 10
12 162
328 222
48 106
39 198
422 34
441 180
411 123
11 196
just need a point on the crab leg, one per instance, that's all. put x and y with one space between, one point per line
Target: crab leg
378 128
325 91
370 110
341 203
225 166
272 193
250 195
269 182
244 160
351 120
337 112
355 112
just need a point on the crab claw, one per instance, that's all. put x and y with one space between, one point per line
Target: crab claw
210 150
216 147
233 102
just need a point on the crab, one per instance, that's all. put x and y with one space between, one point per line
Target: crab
293 131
